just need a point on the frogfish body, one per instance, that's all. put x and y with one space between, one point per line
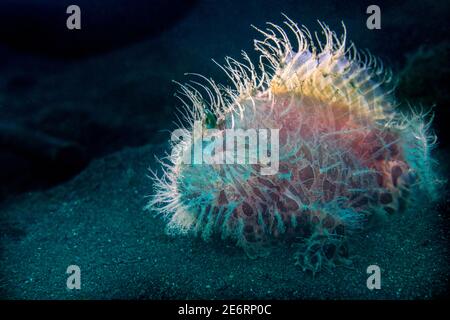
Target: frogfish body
346 155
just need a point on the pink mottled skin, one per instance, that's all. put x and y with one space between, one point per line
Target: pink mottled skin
326 153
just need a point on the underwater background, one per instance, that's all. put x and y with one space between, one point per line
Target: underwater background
85 112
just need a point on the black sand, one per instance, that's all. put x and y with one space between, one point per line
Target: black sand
97 222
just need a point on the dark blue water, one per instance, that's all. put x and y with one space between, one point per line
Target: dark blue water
70 98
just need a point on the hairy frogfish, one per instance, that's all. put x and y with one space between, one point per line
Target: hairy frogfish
345 154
